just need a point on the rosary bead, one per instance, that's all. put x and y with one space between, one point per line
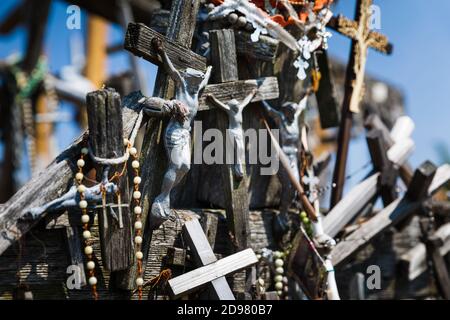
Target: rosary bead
138 225
86 234
83 204
81 188
137 195
79 176
133 151
279 270
85 218
139 255
276 254
278 278
258 256
279 263
279 293
233 18
303 215
88 250
126 142
305 220
90 265
279 286
80 163
137 210
92 281
135 164
84 151
138 239
241 22
137 180
139 282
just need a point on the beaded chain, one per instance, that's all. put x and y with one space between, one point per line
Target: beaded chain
88 250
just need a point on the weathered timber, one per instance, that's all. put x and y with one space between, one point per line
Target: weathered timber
203 255
267 90
394 213
138 40
223 53
181 27
104 117
381 163
73 237
190 281
373 121
360 195
264 49
52 182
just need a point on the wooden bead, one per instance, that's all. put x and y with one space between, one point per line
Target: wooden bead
84 151
138 239
133 151
279 286
139 255
137 195
279 270
90 265
135 164
277 254
279 263
233 18
81 188
85 218
139 282
92 281
278 278
86 234
88 250
79 176
137 210
138 225
241 22
126 142
137 180
280 293
80 163
83 204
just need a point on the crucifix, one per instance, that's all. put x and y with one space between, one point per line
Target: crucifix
211 270
362 39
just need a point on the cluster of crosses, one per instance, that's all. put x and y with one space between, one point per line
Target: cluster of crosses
188 83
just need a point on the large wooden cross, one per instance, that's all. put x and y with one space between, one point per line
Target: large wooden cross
362 39
211 270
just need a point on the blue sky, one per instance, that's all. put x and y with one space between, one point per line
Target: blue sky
419 65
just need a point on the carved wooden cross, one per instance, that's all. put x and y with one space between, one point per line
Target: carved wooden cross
426 181
362 39
211 270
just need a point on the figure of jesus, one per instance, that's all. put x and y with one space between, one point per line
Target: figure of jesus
234 111
177 136
287 122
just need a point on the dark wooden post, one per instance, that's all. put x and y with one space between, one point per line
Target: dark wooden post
224 60
104 117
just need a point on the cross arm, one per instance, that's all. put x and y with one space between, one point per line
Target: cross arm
267 90
138 40
346 26
249 98
217 102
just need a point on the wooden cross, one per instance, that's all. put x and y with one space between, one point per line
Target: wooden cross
363 193
104 117
212 271
362 39
426 182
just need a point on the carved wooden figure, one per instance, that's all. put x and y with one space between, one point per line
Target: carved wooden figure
234 111
177 137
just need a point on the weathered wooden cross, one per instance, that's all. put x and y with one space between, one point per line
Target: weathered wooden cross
362 39
211 270
426 181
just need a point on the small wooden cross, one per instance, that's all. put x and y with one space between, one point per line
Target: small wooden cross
362 39
212 270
